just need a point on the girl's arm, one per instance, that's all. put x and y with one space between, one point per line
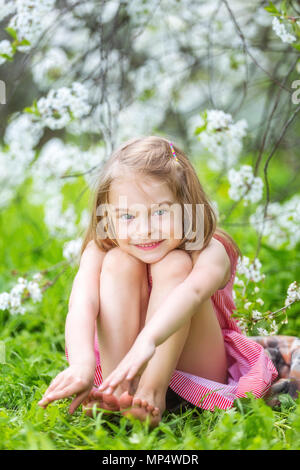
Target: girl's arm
210 273
84 307
80 330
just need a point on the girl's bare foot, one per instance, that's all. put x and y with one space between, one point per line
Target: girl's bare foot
143 405
102 401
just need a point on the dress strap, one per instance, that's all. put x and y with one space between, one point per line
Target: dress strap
231 253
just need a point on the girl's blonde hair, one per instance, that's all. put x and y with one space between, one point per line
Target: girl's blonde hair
151 156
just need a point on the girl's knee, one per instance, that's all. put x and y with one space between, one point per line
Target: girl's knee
118 261
177 263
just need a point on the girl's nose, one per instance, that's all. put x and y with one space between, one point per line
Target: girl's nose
143 229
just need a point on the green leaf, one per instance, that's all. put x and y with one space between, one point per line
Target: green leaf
272 9
24 42
199 129
283 7
11 32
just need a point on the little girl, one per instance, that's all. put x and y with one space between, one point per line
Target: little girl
149 314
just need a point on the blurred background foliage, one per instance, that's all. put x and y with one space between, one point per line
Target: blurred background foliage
145 68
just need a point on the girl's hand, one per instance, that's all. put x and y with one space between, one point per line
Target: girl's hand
77 378
132 365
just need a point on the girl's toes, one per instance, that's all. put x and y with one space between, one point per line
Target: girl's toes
155 412
111 402
125 400
150 408
144 404
137 402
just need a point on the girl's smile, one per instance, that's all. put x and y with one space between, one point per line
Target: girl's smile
149 246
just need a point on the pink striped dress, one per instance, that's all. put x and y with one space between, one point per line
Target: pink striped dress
249 367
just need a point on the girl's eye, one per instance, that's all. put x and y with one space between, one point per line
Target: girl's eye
125 218
161 210
121 217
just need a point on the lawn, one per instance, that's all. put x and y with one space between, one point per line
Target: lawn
34 354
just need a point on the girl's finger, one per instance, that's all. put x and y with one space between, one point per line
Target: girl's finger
64 393
133 372
54 383
60 386
104 384
60 376
77 401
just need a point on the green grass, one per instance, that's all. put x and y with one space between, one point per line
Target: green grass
34 345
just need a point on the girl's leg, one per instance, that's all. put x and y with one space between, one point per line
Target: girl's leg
197 348
150 396
124 296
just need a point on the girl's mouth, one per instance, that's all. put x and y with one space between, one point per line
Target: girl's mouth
149 246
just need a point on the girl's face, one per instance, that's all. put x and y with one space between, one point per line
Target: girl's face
143 214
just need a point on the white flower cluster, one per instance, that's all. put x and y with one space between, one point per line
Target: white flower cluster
20 136
272 331
293 293
280 30
6 49
6 8
222 138
12 300
60 223
23 134
28 21
281 224
57 108
243 185
49 66
58 159
250 270
63 223
71 250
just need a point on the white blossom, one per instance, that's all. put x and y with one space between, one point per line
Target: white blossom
217 119
263 332
274 328
12 300
4 300
6 8
71 250
244 185
280 30
22 134
256 315
48 67
250 270
259 301
293 293
28 21
222 138
35 291
58 159
281 224
5 48
56 107
61 223
239 282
